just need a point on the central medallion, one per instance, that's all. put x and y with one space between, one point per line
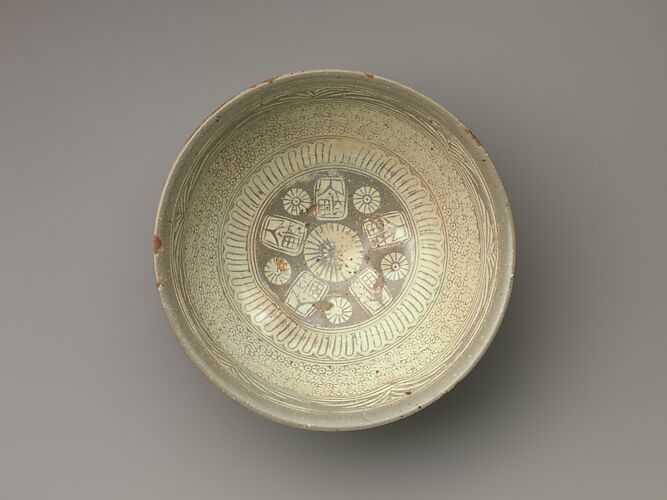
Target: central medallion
334 246
333 252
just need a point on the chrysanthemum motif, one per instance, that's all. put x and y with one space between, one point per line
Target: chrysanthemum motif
366 199
333 252
278 271
394 266
296 201
340 310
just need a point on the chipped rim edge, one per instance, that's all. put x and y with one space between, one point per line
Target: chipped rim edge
379 416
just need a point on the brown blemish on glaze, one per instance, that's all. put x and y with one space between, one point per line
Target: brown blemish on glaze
157 244
158 285
474 137
322 305
281 264
370 76
313 210
379 284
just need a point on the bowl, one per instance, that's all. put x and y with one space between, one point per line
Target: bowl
333 250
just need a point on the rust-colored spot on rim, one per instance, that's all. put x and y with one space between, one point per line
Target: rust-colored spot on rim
474 137
157 244
268 80
370 76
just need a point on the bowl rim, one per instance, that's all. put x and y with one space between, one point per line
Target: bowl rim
420 399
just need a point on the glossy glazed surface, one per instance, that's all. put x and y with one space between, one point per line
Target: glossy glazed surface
334 250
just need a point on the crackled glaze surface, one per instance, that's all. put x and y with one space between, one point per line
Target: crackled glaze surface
336 250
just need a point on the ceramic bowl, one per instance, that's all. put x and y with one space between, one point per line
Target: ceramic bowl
333 250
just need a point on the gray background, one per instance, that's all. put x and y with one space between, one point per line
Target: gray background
97 399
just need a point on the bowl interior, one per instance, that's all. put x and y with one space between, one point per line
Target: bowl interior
334 250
